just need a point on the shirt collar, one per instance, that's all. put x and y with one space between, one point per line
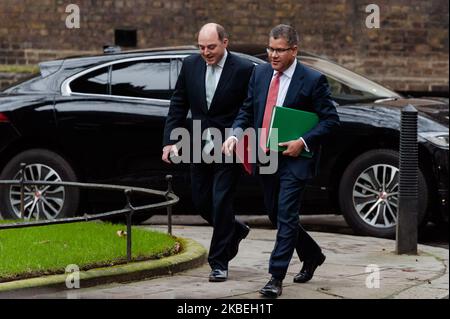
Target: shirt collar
221 63
289 72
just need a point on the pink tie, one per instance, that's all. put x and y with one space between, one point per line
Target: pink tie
270 104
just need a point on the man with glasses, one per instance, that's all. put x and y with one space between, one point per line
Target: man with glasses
288 83
212 85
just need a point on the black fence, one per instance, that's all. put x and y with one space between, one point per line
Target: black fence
128 211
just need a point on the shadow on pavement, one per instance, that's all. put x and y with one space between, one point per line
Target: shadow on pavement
431 234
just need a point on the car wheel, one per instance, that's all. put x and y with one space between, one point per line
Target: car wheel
40 202
368 194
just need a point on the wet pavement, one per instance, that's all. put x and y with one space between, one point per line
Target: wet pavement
355 268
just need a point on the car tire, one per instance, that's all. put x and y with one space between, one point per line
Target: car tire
358 194
42 202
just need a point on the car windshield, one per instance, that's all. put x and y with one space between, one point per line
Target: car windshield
347 86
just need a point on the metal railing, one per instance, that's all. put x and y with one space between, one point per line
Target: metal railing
129 210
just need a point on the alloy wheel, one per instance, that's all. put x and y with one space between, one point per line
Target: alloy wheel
375 195
40 201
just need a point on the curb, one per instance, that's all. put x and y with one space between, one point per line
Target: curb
193 255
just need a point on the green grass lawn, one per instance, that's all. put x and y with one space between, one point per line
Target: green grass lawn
36 251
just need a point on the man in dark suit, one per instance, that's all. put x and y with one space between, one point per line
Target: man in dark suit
212 85
286 82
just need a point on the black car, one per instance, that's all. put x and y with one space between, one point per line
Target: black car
100 119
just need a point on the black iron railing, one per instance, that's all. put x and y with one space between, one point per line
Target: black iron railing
129 210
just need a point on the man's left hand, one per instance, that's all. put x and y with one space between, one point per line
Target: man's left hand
294 148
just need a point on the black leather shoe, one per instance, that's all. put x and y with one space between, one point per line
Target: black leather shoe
273 288
309 266
218 275
235 246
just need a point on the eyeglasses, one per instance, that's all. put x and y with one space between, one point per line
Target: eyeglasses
278 51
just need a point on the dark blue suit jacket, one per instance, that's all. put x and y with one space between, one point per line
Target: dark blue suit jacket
308 91
190 95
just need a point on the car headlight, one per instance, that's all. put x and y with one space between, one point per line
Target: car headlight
440 139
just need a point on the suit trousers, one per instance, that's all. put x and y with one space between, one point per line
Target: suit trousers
282 195
213 193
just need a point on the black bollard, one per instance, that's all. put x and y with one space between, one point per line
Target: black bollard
406 241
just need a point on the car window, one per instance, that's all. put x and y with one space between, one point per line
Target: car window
175 71
144 78
343 93
95 82
347 86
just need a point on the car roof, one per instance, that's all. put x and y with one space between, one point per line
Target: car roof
75 64
84 61
117 51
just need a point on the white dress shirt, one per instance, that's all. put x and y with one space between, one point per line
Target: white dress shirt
218 68
285 81
215 71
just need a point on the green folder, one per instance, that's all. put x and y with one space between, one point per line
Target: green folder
291 124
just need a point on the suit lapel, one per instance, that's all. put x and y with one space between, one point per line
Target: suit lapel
224 80
201 85
264 89
295 87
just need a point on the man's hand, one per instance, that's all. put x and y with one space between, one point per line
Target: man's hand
229 145
166 152
294 148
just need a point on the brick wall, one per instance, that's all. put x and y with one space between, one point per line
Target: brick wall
408 53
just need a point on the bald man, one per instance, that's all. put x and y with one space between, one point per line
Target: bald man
212 85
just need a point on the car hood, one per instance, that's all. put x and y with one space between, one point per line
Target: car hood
435 109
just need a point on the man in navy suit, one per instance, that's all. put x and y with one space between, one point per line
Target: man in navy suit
286 82
212 85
